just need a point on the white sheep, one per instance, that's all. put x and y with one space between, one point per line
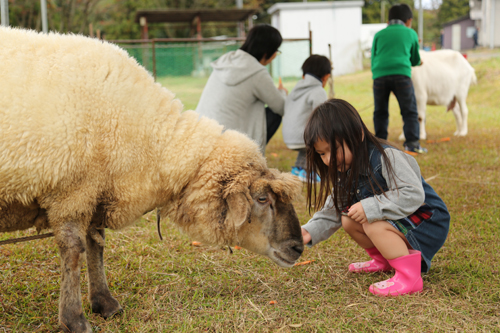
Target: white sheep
443 79
89 141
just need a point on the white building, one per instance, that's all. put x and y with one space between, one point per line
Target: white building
486 13
368 31
334 23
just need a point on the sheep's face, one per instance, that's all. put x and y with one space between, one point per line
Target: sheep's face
266 222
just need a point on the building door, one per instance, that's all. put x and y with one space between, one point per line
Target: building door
456 32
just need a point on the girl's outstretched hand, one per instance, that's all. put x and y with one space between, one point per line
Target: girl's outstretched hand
306 236
357 213
281 87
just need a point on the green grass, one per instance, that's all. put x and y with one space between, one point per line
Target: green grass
172 286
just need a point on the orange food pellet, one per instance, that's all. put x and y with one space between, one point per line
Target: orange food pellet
304 262
273 302
196 243
236 247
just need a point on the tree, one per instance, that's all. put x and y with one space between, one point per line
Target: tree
451 10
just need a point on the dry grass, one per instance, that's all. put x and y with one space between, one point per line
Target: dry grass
172 286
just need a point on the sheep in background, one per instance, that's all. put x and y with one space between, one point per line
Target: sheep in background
443 79
89 141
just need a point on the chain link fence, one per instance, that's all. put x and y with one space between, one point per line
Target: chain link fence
191 57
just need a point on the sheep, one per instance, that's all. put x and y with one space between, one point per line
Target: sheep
89 141
443 79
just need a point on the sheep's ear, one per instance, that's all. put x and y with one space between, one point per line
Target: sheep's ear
239 208
286 186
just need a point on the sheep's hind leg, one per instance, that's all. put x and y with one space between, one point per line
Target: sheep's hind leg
99 295
71 248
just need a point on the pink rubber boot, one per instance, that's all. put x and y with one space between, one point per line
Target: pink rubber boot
407 279
378 264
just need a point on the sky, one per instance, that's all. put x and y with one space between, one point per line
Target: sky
428 4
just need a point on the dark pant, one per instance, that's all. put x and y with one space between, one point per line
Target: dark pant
301 161
273 123
402 87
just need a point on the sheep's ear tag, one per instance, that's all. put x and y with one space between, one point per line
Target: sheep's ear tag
239 208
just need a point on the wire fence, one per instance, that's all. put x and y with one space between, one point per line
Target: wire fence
192 57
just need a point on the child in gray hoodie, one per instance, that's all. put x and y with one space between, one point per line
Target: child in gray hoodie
300 103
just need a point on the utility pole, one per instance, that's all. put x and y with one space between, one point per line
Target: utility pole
43 5
382 11
4 12
421 23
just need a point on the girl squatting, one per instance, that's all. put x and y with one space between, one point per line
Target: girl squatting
376 192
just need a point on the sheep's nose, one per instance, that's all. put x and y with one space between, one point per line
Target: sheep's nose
298 248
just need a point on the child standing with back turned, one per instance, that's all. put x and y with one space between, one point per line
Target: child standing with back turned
377 194
395 50
302 100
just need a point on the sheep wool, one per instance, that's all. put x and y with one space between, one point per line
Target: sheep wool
82 123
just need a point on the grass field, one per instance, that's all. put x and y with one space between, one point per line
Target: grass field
173 286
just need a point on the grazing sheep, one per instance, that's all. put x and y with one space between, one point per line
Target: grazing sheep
443 79
89 141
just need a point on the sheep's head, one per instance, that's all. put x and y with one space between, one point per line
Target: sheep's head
236 200
264 219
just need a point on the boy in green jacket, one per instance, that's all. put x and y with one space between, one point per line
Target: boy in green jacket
395 50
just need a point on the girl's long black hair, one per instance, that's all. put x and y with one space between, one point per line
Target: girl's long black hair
337 121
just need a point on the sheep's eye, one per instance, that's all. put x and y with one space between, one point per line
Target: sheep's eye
262 199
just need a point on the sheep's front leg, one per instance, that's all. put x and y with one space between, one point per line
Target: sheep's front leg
71 247
463 111
99 295
422 109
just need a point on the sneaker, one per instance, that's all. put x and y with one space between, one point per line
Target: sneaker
296 171
414 151
303 176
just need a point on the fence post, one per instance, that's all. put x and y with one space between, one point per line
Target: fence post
154 57
310 42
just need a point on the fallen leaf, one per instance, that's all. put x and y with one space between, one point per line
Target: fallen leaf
304 262
295 325
274 154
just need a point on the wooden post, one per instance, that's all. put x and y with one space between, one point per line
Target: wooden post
310 42
200 52
154 57
144 35
331 90
144 27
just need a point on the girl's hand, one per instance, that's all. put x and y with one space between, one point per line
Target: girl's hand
357 213
281 87
306 236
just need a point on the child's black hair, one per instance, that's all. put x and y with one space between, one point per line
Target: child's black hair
317 65
262 41
401 12
337 122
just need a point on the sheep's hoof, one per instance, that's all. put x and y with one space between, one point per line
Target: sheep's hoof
106 306
76 324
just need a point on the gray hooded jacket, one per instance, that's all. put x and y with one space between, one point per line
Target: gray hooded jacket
302 100
236 94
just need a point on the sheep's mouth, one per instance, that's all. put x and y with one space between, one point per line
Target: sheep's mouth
280 259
